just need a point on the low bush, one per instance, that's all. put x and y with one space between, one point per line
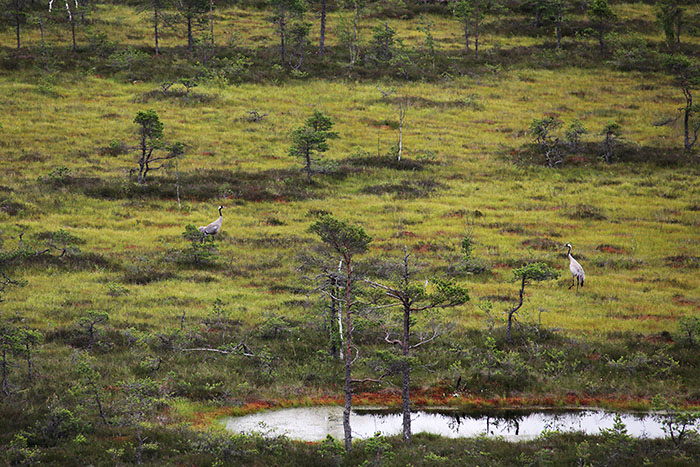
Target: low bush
406 189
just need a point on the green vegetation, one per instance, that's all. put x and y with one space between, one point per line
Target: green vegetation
124 331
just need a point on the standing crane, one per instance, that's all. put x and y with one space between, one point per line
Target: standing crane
577 274
214 227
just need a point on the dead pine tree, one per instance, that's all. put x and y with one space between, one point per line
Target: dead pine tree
89 381
412 297
71 17
403 109
30 338
140 400
323 269
346 241
10 343
90 321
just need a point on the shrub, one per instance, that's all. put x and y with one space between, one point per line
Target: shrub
405 190
611 133
129 60
541 131
689 330
586 211
201 250
144 271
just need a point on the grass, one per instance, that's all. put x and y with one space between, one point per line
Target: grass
633 225
586 205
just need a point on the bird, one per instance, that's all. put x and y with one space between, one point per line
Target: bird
214 227
577 274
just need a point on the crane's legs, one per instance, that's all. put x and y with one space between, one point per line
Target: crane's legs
573 279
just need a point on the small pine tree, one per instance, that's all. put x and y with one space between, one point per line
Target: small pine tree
541 131
310 138
150 134
201 250
383 43
686 73
669 14
611 132
602 17
285 10
573 134
533 272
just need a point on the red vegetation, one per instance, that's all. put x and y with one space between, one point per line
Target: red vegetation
616 250
685 301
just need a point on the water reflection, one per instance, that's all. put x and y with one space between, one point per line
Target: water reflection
314 423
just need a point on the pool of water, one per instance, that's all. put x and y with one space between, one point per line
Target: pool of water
315 423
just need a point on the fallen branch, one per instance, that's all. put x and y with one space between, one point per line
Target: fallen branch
246 352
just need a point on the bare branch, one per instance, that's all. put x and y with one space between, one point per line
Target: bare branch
357 355
245 351
368 380
425 341
387 336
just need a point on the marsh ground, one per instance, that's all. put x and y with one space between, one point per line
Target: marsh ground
468 170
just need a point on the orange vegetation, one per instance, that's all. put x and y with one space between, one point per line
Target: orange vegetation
435 397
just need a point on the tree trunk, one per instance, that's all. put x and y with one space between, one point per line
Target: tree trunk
92 336
283 45
406 384
608 151
155 25
348 357
333 312
322 40
41 28
139 449
559 20
142 160
686 125
99 406
355 45
476 39
401 116
211 24
145 172
17 27
466 35
308 167
190 39
512 312
72 28
28 349
4 373
600 40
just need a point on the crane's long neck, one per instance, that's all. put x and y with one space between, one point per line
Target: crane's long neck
569 253
220 215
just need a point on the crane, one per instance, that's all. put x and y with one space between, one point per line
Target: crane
214 227
577 274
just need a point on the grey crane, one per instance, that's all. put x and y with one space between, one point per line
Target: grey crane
214 227
577 274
